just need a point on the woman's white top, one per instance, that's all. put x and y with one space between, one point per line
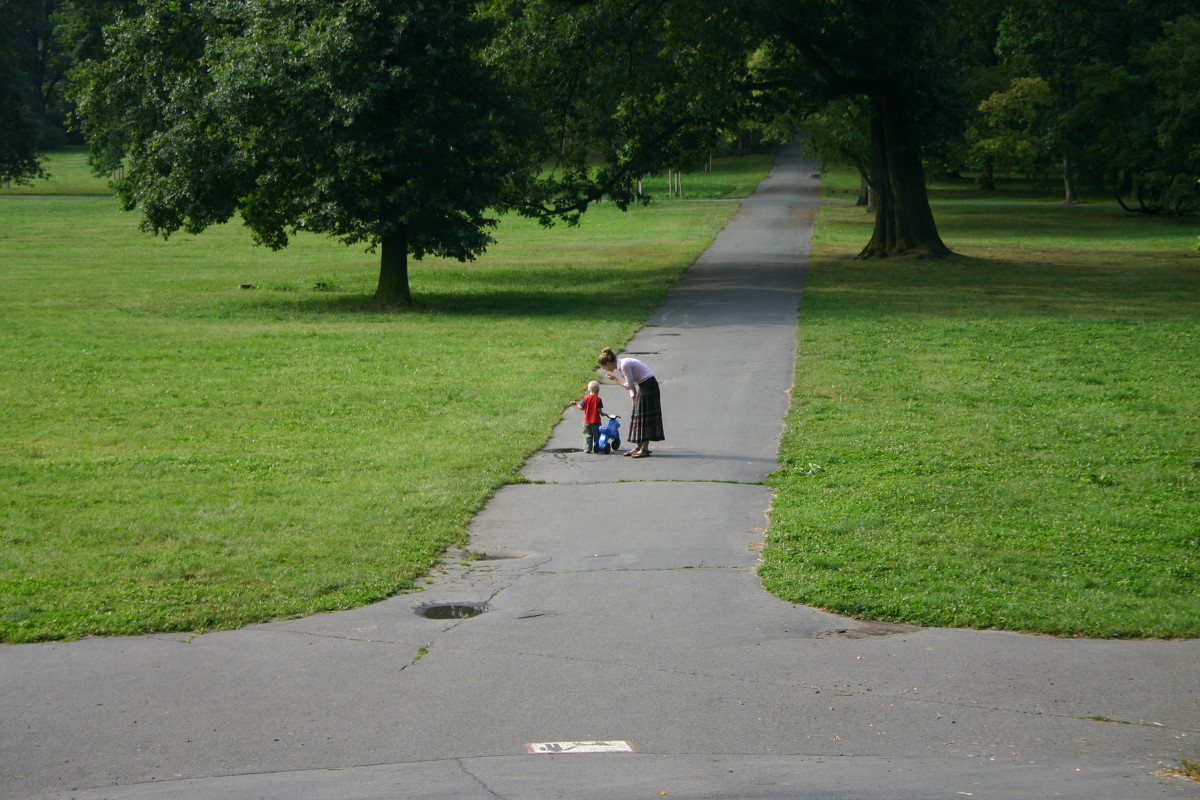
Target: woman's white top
635 372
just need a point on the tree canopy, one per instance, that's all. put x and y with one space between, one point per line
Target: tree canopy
374 121
19 135
409 126
1124 92
652 85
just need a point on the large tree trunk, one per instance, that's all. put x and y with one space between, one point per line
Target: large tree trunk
903 220
393 270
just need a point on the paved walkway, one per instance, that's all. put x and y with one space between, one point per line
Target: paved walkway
623 608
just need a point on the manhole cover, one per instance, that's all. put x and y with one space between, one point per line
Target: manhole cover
868 630
496 555
451 610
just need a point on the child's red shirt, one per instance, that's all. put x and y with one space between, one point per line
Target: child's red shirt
591 409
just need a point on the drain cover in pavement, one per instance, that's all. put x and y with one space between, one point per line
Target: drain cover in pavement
868 630
451 610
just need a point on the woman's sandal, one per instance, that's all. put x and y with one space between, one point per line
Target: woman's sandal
642 454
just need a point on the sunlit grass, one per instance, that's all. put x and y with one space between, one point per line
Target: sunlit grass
1005 439
182 453
67 172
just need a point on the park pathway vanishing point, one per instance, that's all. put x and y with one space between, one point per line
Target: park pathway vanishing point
623 615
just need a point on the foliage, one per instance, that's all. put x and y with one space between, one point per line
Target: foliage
651 86
48 38
840 134
892 59
626 82
373 122
79 26
1172 64
1125 88
1007 132
19 137
646 87
41 65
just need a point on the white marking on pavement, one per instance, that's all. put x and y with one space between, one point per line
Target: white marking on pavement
579 747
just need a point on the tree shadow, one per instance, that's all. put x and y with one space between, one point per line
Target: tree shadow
1136 285
585 293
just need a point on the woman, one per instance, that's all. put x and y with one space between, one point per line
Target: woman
645 424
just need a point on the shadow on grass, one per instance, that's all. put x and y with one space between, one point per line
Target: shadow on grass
1137 285
1077 226
583 293
1036 261
1008 189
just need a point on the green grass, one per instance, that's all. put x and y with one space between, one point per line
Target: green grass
841 185
729 177
68 174
1007 439
184 454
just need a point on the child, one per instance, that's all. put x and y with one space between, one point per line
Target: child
591 405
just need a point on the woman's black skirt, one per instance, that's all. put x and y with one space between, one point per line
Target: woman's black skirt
646 422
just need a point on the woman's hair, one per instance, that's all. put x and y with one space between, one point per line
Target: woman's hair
607 356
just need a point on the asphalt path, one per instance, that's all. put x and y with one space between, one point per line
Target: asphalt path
626 649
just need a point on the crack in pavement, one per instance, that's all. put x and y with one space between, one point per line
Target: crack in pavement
481 783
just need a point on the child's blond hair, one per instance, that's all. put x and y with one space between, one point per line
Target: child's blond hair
594 387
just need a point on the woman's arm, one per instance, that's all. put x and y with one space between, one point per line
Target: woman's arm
630 383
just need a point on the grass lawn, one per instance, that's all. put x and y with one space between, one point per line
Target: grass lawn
729 177
1007 439
183 454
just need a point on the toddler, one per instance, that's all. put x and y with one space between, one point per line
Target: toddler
592 407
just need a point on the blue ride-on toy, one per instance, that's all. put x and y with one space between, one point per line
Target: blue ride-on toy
610 436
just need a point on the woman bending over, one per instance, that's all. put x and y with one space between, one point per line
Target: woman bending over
645 423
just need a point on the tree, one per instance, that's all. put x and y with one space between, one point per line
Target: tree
372 121
1152 155
1007 131
891 55
79 26
19 135
1172 65
986 76
623 91
1107 106
651 83
77 36
840 134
